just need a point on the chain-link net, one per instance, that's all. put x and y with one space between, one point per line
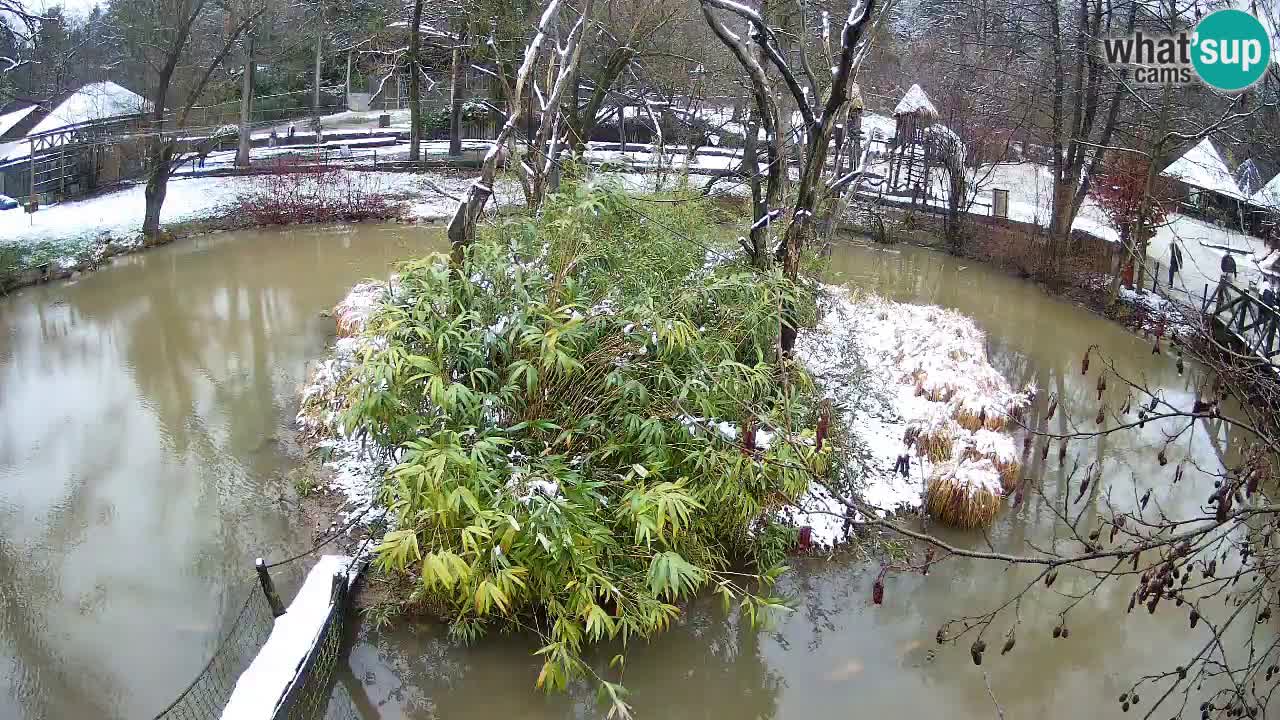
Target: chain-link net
308 697
208 693
341 705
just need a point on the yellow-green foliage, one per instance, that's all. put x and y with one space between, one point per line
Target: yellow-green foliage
953 502
555 401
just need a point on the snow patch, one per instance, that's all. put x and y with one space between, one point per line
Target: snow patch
263 684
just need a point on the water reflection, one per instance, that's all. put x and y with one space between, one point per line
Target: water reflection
839 655
142 455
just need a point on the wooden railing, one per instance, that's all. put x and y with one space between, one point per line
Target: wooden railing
1243 316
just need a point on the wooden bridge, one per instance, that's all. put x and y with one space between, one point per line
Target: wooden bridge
1241 319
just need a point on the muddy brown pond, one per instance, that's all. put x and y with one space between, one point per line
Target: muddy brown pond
144 454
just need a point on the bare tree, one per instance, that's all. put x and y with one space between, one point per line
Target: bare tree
462 226
817 126
182 44
415 83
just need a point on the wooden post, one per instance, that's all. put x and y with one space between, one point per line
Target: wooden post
339 591
32 164
269 589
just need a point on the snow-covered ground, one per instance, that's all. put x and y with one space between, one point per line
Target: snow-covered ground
1030 189
117 216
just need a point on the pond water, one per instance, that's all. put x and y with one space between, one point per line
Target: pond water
839 655
144 412
144 449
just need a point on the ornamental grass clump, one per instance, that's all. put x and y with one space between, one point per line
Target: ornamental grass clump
590 423
961 493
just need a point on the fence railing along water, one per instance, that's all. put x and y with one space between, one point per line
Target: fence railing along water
209 692
279 663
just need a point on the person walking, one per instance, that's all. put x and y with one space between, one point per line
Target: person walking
1175 260
1229 265
1269 296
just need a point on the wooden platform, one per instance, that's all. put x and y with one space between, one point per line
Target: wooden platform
1241 317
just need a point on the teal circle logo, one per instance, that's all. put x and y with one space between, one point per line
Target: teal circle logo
1230 50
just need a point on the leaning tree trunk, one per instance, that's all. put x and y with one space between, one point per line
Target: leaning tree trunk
415 86
1122 253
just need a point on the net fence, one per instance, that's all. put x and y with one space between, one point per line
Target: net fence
314 694
308 697
208 693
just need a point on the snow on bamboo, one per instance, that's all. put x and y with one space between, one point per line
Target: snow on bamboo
357 469
926 409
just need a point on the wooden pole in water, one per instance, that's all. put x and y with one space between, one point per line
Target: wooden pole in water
269 589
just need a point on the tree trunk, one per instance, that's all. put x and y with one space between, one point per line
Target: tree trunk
759 243
159 167
1061 218
415 87
457 93
315 99
1143 230
1122 254
246 106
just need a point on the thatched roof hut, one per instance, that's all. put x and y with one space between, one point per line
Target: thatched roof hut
914 112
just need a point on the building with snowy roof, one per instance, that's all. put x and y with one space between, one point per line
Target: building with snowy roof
66 145
17 117
1204 185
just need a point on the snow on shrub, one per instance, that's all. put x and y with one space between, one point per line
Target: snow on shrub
938 399
357 466
354 310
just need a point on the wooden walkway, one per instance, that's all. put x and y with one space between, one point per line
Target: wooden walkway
1241 317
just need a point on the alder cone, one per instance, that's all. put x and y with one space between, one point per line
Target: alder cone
1008 644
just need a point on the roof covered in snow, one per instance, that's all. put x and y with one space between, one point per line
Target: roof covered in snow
95 101
1269 195
915 101
9 119
1202 167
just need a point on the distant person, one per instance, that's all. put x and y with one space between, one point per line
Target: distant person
292 129
271 140
1269 297
1229 265
1175 261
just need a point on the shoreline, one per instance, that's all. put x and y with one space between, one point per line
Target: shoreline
66 251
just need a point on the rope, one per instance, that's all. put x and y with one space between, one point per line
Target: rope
334 535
